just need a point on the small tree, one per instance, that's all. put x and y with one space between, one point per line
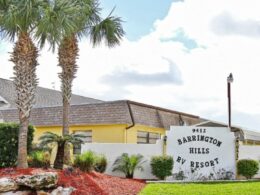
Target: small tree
247 167
128 164
61 141
162 166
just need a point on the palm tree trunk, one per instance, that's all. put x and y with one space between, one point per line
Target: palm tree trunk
58 163
22 143
65 122
68 53
24 56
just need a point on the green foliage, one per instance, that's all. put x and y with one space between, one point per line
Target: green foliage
100 164
19 16
39 159
89 161
9 143
128 164
248 168
61 19
38 147
50 138
162 166
86 161
110 30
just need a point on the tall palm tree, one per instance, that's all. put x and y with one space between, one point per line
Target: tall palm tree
18 21
82 19
49 138
89 24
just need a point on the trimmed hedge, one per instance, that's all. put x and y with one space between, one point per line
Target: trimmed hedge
162 166
247 167
9 143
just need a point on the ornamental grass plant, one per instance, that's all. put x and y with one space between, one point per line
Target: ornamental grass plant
100 164
85 162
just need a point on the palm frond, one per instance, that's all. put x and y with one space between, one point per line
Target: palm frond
49 135
110 30
128 164
57 20
18 16
77 138
90 16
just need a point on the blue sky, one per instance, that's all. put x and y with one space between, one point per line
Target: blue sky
139 15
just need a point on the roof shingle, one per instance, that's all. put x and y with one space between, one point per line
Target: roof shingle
44 97
115 112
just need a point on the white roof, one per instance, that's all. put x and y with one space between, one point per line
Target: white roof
247 134
251 135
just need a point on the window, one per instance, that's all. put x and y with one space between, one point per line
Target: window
87 139
147 137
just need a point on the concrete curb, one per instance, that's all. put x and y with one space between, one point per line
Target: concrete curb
212 181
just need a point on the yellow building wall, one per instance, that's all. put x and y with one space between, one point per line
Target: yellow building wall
111 133
131 134
100 133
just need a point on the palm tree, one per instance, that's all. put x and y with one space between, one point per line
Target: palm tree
18 21
82 18
128 164
89 23
49 138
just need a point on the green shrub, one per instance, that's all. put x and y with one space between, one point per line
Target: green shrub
86 161
248 168
162 166
100 164
9 143
39 159
128 164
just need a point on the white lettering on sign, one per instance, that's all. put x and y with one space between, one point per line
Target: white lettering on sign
203 150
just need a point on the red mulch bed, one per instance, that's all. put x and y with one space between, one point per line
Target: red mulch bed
86 183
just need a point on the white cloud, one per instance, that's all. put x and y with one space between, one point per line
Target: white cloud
204 69
224 24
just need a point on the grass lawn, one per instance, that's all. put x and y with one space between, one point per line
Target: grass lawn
236 188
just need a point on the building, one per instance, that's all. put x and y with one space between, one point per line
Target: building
128 122
120 121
